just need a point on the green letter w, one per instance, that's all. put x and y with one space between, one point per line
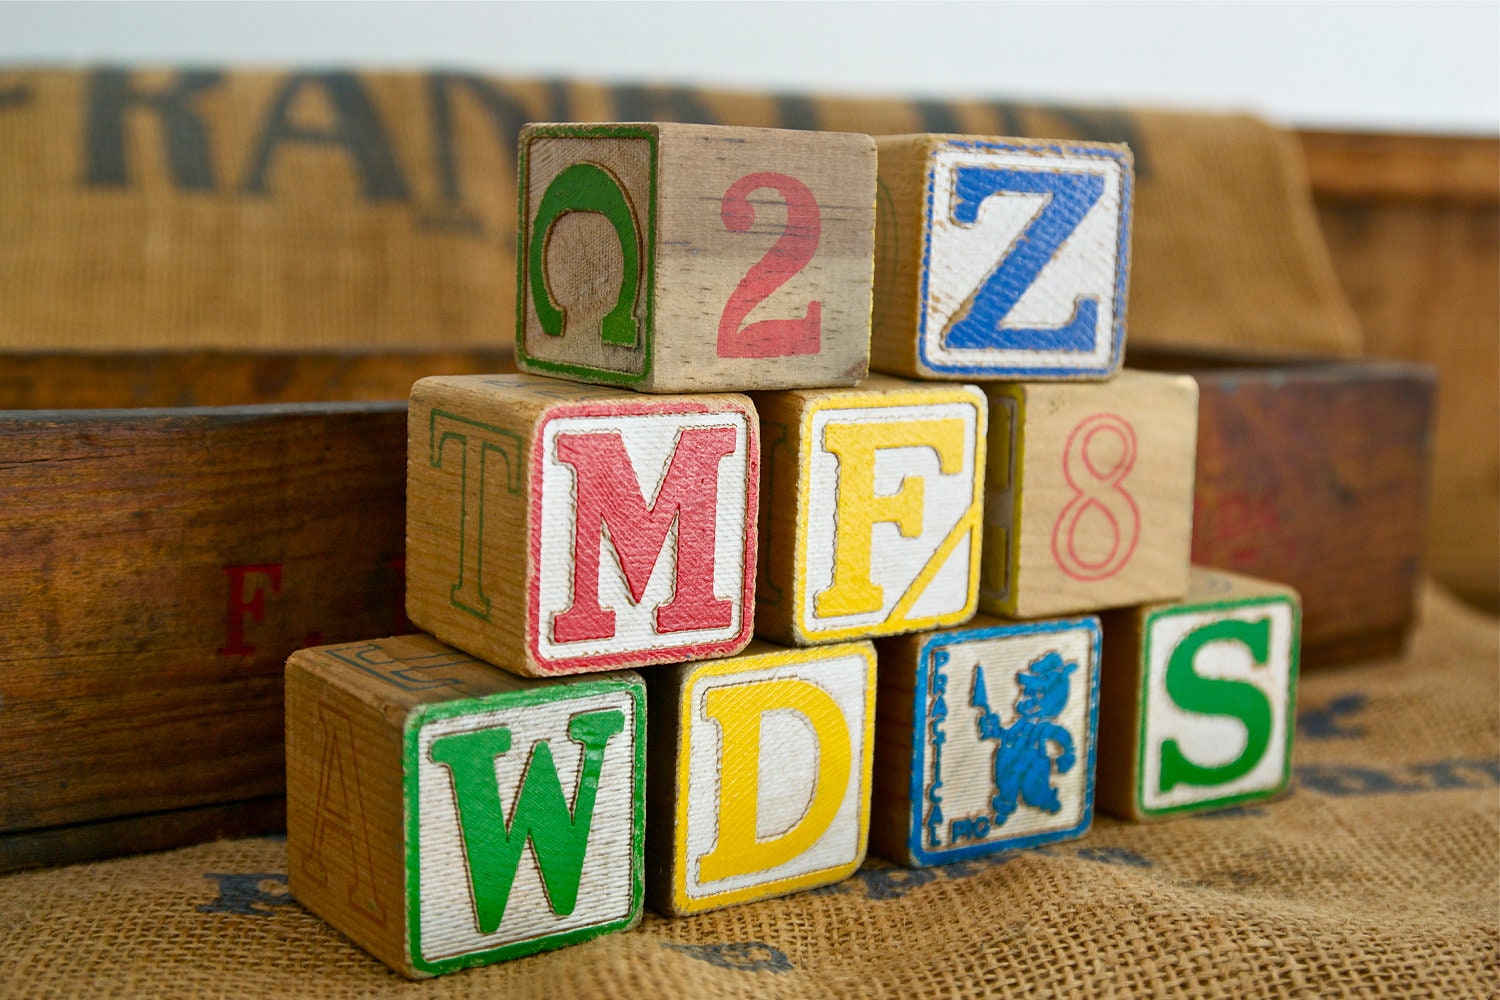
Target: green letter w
559 835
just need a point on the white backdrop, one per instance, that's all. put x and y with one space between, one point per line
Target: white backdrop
1431 67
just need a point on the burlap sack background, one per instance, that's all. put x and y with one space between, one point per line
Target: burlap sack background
1377 876
206 208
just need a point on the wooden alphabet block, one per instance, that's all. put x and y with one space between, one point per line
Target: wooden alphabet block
1001 258
558 528
986 739
1315 473
1199 697
692 258
874 501
759 774
1089 499
443 814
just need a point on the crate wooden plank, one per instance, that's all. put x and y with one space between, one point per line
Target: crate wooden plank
39 380
162 831
156 569
1315 474
1375 167
1413 226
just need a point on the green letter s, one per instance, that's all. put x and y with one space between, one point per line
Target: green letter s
1210 696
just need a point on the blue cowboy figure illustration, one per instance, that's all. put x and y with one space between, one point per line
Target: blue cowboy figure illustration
1023 765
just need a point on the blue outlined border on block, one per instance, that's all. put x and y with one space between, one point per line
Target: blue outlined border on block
1122 268
919 854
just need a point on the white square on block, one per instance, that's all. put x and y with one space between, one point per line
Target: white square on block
1207 731
896 561
992 767
650 441
786 773
992 301
445 908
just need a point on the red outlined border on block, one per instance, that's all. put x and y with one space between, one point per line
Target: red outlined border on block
626 659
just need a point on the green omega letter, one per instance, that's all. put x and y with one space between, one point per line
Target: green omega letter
1210 696
587 187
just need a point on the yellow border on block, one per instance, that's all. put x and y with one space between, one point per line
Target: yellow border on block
777 887
971 524
1017 392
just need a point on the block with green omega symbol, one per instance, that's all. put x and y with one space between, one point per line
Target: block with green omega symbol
694 258
1198 698
443 813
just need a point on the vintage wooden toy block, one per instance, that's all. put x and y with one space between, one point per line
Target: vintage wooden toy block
691 258
1001 258
558 528
986 739
1315 473
1199 697
873 507
443 814
759 774
1089 497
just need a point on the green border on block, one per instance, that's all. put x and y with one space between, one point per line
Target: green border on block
586 373
1294 658
570 691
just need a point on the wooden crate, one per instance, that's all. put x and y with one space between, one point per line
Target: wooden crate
1413 226
1315 474
158 565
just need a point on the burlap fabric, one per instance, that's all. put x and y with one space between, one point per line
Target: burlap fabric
204 208
1377 876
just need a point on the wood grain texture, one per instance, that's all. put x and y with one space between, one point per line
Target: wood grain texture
158 567
445 814
55 846
872 512
985 739
44 381
539 512
1315 474
1383 168
758 774
1413 226
694 258
1089 494
1198 698
207 543
1424 277
1001 258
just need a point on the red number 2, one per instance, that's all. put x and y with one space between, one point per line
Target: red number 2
771 338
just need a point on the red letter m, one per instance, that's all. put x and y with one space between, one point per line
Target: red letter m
609 497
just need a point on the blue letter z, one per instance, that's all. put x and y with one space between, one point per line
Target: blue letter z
1069 198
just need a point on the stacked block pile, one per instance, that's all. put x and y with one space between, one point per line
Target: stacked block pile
711 610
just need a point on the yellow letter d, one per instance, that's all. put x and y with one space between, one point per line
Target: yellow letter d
738 710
